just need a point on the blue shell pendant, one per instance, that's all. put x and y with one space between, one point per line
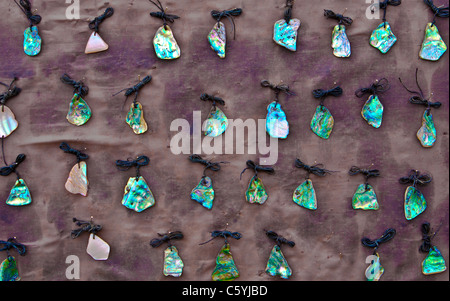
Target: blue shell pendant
277 125
32 41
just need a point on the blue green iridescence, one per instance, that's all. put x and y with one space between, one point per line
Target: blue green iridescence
286 34
340 43
216 123
305 195
277 125
383 38
375 270
19 195
79 111
138 195
204 193
256 193
225 269
173 265
427 133
415 203
365 198
433 47
434 263
8 270
32 41
135 119
372 111
217 38
277 264
322 122
166 47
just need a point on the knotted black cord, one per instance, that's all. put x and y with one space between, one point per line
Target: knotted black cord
387 236
224 234
9 169
415 178
67 149
427 236
280 240
379 86
79 87
166 238
85 226
288 11
162 14
277 88
441 12
385 4
368 173
214 166
256 168
346 21
130 163
135 90
93 25
229 14
322 94
12 91
314 169
214 99
12 243
25 6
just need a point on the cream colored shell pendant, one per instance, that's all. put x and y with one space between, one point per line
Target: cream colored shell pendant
95 43
8 122
97 248
77 182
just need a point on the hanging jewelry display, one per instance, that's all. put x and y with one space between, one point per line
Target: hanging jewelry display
95 43
8 268
434 263
216 123
173 265
415 202
256 192
277 264
137 195
166 47
79 111
365 197
433 46
77 182
305 195
135 117
277 125
373 109
32 42
339 40
97 248
8 122
427 134
218 36
225 269
382 37
376 270
285 31
323 122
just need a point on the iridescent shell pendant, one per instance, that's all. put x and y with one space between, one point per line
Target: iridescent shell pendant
77 182
277 125
218 39
19 195
32 41
135 119
137 195
216 123
427 134
365 198
322 123
165 45
256 193
204 193
95 44
415 203
79 111
277 264
8 270
433 46
375 270
8 122
340 43
226 269
173 265
372 111
383 38
434 263
285 34
97 248
305 195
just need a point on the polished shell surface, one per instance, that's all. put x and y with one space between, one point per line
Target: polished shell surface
277 125
375 270
8 270
138 195
204 193
32 41
79 111
372 111
277 264
225 269
218 39
415 203
173 265
216 123
95 44
427 134
19 195
305 195
434 263
135 119
433 46
322 123
285 34
256 192
166 47
340 43
8 122
97 248
77 182
365 198
383 38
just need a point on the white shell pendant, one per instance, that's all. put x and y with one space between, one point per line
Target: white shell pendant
8 122
95 44
97 248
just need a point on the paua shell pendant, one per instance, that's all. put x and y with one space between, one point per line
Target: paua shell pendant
173 265
8 270
95 44
19 195
365 198
305 195
218 39
8 122
32 41
322 123
434 263
256 193
372 111
415 203
216 123
340 43
433 47
383 38
77 182
138 195
285 34
277 125
97 248
135 119
375 270
277 264
226 269
204 193
79 111
166 46
427 134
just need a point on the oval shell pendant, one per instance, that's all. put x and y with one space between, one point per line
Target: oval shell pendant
19 195
8 270
433 46
415 203
135 119
322 123
434 263
375 270
277 125
383 38
79 111
216 124
285 34
218 39
166 47
225 269
138 195
95 44
372 111
365 198
204 193
173 265
427 133
32 41
340 43
277 264
97 248
256 193
8 122
305 195
77 182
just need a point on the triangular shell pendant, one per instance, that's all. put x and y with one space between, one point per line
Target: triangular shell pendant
166 47
135 119
19 195
427 133
173 265
375 270
256 193
8 122
365 198
340 43
305 195
79 111
322 123
372 111
433 47
138 195
277 264
77 182
32 41
204 193
415 203
216 123
8 270
225 269
98 248
277 125
434 263
285 34
95 44
383 38
218 39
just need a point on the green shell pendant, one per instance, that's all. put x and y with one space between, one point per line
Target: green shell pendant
173 265
375 270
8 270
322 122
79 111
372 111
256 193
135 119
427 133
226 269
216 123
340 43
32 41
434 263
138 195
19 195
277 264
383 38
415 203
166 47
305 195
365 198
204 193
433 47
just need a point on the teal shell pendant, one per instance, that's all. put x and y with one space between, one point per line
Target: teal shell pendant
305 195
8 270
225 269
433 47
365 198
415 203
375 270
204 193
285 34
256 192
322 123
19 195
277 125
137 195
173 265
372 111
434 263
217 38
340 43
277 264
166 47
427 133
135 119
79 111
216 123
383 38
32 41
